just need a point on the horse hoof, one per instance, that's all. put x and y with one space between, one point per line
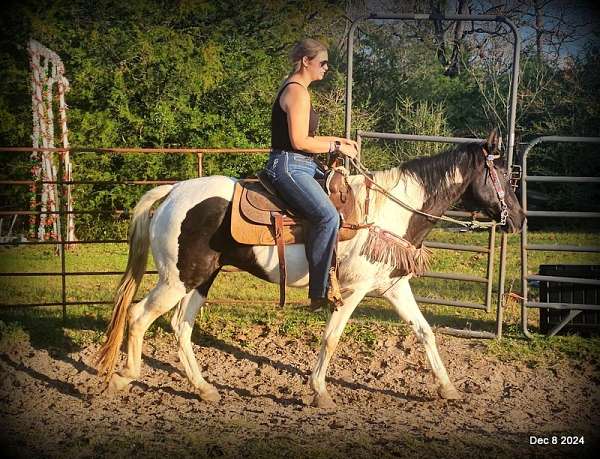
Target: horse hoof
324 401
210 394
449 392
118 383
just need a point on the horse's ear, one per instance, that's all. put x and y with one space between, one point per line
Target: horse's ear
493 144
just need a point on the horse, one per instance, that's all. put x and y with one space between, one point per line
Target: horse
190 237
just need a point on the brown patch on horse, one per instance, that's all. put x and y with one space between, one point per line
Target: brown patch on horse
206 244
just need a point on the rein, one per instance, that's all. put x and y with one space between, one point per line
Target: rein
473 224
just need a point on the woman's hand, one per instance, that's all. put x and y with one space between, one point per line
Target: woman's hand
348 147
349 150
350 142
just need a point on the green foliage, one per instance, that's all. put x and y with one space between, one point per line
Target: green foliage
562 101
242 165
152 74
199 73
409 117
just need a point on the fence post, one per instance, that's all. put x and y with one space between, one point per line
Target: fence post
199 157
62 233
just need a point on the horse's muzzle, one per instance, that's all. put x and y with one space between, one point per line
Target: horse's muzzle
513 226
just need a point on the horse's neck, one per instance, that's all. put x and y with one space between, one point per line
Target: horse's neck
392 216
413 226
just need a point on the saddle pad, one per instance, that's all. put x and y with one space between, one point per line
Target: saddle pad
246 231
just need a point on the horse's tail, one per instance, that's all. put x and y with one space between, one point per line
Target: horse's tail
139 241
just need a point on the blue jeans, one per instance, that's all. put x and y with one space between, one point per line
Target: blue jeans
293 176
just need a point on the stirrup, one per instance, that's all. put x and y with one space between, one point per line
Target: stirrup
334 294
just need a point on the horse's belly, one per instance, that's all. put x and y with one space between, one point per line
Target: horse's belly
295 261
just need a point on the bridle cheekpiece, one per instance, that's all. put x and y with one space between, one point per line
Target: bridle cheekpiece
491 169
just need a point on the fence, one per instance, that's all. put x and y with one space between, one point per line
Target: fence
61 244
61 213
526 247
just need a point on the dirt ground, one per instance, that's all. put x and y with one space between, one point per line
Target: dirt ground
52 404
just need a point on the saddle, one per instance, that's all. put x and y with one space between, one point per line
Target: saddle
260 217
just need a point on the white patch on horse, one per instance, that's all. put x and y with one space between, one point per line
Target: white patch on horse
394 218
456 178
295 260
166 222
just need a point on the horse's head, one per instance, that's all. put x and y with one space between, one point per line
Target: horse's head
490 189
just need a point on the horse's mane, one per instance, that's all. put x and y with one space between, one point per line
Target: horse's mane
434 173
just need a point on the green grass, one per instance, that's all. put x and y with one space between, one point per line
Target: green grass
543 351
11 335
237 324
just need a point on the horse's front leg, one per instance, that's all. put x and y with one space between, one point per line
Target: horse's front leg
331 336
403 300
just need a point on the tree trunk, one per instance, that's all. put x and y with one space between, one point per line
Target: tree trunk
455 65
539 29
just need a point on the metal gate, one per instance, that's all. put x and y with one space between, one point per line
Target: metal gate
526 246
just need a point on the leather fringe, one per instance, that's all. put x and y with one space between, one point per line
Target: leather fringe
385 247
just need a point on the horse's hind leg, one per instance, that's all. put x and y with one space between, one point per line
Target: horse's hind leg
160 299
404 302
183 323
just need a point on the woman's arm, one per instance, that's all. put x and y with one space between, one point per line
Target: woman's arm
295 101
341 140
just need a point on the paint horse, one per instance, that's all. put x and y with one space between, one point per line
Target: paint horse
190 237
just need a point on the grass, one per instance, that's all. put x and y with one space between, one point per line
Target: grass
543 351
236 324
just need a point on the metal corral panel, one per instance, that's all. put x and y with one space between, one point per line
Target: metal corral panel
584 322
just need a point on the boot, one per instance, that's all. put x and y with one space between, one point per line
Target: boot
321 304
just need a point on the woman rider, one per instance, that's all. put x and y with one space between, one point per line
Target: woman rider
291 166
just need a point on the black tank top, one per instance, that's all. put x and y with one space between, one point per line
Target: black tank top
280 134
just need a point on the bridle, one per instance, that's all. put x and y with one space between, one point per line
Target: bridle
491 171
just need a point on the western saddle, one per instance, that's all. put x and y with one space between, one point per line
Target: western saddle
260 217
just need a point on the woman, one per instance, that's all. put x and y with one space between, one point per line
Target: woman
291 166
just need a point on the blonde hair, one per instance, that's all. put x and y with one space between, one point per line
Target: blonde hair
306 47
